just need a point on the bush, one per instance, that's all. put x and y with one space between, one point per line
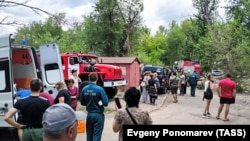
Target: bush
239 89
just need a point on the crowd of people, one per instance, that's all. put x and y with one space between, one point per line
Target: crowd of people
42 117
178 83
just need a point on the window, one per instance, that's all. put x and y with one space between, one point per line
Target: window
52 73
5 85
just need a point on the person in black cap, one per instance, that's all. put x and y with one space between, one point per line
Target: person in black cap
60 123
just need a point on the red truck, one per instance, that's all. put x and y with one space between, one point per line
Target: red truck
110 76
188 65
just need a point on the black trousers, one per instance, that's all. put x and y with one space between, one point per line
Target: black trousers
152 99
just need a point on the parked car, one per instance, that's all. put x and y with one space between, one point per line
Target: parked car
217 72
162 76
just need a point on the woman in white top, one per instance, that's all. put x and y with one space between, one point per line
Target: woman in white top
208 82
146 77
75 77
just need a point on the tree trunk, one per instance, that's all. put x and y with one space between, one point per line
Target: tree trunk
127 44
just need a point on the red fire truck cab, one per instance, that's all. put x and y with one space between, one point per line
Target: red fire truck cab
109 76
188 65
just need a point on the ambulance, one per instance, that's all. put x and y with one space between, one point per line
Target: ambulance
19 65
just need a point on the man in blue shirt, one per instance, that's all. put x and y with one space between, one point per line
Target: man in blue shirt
94 98
193 78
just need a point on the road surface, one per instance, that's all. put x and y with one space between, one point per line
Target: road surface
188 110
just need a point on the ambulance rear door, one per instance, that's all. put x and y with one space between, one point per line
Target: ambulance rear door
6 78
51 67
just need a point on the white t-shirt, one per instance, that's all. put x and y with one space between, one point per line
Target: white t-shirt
206 85
75 80
183 79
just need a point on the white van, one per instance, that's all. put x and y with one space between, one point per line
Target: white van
20 64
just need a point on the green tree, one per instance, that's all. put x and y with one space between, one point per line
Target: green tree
103 29
38 33
130 11
151 48
175 44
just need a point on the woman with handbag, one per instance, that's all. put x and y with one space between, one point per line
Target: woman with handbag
208 95
131 114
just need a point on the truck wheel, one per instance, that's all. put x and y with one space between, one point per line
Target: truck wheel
111 92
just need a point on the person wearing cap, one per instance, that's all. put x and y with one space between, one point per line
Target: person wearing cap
60 123
63 95
32 109
94 98
75 77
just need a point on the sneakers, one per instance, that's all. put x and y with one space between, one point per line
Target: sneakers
204 115
208 114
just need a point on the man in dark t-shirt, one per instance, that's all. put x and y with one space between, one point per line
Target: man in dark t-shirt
32 109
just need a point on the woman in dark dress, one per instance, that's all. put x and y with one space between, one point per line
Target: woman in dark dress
152 89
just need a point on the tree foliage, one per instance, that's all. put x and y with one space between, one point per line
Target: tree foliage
103 29
114 28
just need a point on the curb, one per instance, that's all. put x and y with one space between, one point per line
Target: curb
162 103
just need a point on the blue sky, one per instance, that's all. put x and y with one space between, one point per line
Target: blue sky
156 12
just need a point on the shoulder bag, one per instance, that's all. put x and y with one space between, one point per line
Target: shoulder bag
131 116
208 94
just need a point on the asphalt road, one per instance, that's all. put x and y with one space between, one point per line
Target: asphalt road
188 111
